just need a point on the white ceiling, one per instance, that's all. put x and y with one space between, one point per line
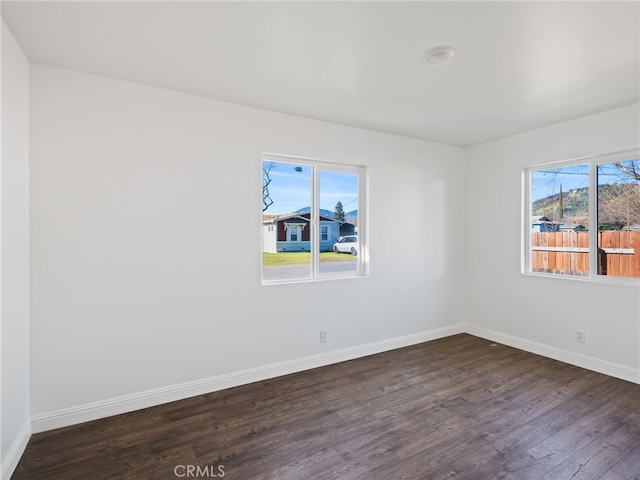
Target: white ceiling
519 65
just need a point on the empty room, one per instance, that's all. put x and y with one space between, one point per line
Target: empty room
320 240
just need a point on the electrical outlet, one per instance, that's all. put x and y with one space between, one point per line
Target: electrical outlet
581 336
323 336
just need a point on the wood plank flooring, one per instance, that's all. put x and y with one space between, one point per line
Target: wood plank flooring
456 408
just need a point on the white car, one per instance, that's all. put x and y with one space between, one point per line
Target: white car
348 244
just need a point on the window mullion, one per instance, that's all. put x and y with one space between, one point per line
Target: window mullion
593 220
363 256
314 224
527 221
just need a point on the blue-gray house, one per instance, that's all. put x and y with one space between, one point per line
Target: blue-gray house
290 232
544 224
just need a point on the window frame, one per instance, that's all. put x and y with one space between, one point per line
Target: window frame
316 166
594 161
294 229
324 233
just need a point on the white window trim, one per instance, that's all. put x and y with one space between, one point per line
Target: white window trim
593 161
362 259
294 227
324 231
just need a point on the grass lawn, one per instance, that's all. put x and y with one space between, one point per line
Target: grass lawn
293 258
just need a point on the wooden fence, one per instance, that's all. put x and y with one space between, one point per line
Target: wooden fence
568 253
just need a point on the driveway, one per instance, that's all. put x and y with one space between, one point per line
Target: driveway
302 271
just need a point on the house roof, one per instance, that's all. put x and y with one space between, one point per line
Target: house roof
572 226
287 216
541 219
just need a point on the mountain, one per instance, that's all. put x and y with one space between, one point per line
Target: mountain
351 217
575 203
618 205
324 212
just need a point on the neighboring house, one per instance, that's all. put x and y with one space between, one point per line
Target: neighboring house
289 232
544 224
572 227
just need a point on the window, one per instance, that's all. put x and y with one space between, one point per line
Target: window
324 233
618 215
583 218
308 208
560 220
294 234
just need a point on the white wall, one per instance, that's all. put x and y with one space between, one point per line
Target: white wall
14 254
145 244
145 248
535 313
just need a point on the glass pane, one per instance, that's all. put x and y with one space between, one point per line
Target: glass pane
339 214
560 220
619 219
286 205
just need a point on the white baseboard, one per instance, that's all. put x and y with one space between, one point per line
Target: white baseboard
17 448
150 398
566 356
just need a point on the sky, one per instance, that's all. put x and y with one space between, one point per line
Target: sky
547 182
290 188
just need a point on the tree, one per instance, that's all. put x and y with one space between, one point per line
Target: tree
630 169
561 206
339 212
619 205
266 180
618 192
619 202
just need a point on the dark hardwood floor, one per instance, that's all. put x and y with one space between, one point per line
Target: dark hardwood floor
455 408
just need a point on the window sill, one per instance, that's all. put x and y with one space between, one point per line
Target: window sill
268 283
628 282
